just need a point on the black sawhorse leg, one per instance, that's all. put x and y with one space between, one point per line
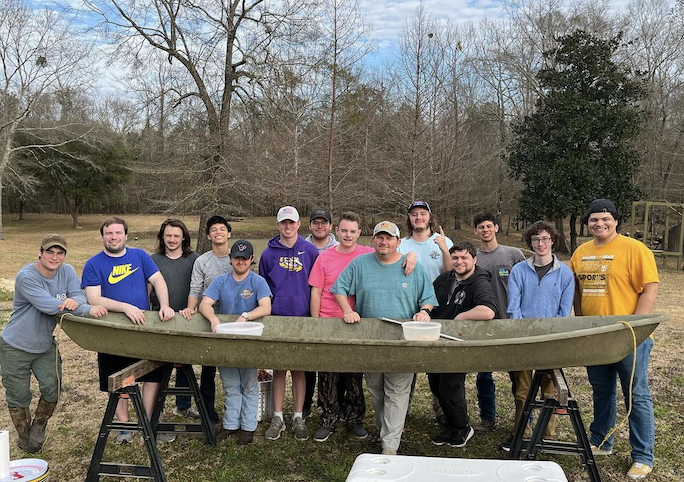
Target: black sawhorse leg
205 426
155 470
537 444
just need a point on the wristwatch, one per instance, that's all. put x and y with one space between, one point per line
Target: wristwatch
429 312
245 315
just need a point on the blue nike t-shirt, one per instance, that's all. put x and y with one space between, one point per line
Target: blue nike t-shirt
123 278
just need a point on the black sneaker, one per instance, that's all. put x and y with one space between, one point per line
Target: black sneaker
506 444
460 437
442 437
322 433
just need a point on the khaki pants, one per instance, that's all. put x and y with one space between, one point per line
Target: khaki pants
390 395
522 381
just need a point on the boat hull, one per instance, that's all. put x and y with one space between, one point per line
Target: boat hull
329 344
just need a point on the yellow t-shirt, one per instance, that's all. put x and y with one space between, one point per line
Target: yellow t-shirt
611 277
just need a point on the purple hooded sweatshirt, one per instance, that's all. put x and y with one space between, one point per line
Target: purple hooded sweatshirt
286 271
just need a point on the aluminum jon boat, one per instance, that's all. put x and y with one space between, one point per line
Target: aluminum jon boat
329 344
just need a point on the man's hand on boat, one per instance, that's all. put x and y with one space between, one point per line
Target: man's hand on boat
351 317
166 313
187 313
137 316
98 311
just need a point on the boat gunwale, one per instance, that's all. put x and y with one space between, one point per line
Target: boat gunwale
643 320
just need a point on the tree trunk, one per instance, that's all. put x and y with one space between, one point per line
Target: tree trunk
203 244
562 246
573 232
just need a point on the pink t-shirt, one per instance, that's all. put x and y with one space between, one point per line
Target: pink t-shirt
328 266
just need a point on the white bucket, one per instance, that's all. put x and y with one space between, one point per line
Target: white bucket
253 328
27 470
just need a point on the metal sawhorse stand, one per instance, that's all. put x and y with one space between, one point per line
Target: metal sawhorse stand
563 401
122 383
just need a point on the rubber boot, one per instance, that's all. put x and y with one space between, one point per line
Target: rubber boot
37 434
21 417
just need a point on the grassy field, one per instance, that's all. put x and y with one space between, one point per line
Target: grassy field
73 429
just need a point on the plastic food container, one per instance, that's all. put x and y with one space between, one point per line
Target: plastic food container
253 328
421 330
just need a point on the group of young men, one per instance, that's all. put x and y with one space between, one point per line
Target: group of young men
420 277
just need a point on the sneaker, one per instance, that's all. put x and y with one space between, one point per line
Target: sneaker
389 451
299 429
359 431
276 428
639 471
484 425
188 412
600 451
460 437
441 438
166 437
506 444
124 437
322 434
245 437
224 434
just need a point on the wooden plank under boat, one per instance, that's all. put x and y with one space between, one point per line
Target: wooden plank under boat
329 344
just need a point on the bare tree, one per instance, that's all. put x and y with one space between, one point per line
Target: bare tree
346 31
219 46
38 54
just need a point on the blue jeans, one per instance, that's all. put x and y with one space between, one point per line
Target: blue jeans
241 387
641 420
486 395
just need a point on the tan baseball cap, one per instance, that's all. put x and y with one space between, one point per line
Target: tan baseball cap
52 240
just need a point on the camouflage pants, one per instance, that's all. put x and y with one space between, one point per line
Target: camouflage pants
340 396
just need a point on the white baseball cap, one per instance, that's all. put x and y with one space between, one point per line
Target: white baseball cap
287 212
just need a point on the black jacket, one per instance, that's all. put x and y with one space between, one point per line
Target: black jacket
471 292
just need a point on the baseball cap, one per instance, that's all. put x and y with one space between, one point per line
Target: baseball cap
419 204
287 212
321 213
242 249
386 227
53 240
600 206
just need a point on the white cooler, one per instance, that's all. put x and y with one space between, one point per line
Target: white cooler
373 468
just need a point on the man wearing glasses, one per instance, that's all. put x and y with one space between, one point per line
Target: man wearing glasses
320 225
539 287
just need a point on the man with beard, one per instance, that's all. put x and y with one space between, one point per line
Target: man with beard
373 279
320 225
175 258
117 279
463 293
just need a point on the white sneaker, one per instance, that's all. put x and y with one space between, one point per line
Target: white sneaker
124 437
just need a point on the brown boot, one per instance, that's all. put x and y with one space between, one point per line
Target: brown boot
21 417
37 434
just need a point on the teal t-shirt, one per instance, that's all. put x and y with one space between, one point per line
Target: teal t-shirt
383 289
